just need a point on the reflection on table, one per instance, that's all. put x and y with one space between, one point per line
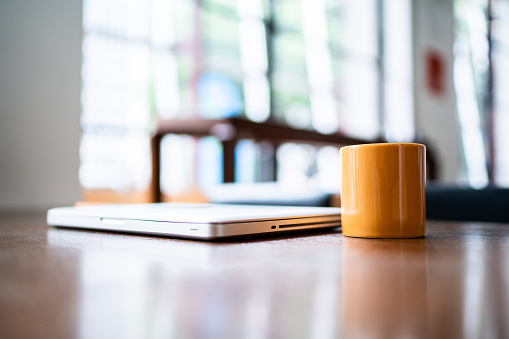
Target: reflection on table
452 283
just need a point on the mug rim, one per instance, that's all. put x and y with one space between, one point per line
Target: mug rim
386 144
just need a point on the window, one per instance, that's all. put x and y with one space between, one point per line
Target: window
470 79
309 64
500 60
481 73
116 105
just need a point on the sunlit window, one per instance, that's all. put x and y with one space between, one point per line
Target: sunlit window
398 88
470 79
307 64
253 52
116 115
501 88
359 69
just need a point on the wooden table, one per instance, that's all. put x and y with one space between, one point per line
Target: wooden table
57 283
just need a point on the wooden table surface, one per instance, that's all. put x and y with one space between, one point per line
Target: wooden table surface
59 283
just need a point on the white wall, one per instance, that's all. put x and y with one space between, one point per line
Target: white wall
40 60
436 118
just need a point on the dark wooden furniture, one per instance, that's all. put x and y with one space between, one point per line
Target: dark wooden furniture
57 283
230 131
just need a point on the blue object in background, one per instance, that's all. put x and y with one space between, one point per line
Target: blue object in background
218 96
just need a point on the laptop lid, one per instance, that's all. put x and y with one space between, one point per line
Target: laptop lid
198 221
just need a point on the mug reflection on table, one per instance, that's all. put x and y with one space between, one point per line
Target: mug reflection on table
385 288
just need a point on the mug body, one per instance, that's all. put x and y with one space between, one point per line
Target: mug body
383 190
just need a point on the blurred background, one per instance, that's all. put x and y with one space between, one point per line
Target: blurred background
85 86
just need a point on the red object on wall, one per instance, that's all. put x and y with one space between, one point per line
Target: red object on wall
435 72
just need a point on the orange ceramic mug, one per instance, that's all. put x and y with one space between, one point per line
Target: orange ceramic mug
383 190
